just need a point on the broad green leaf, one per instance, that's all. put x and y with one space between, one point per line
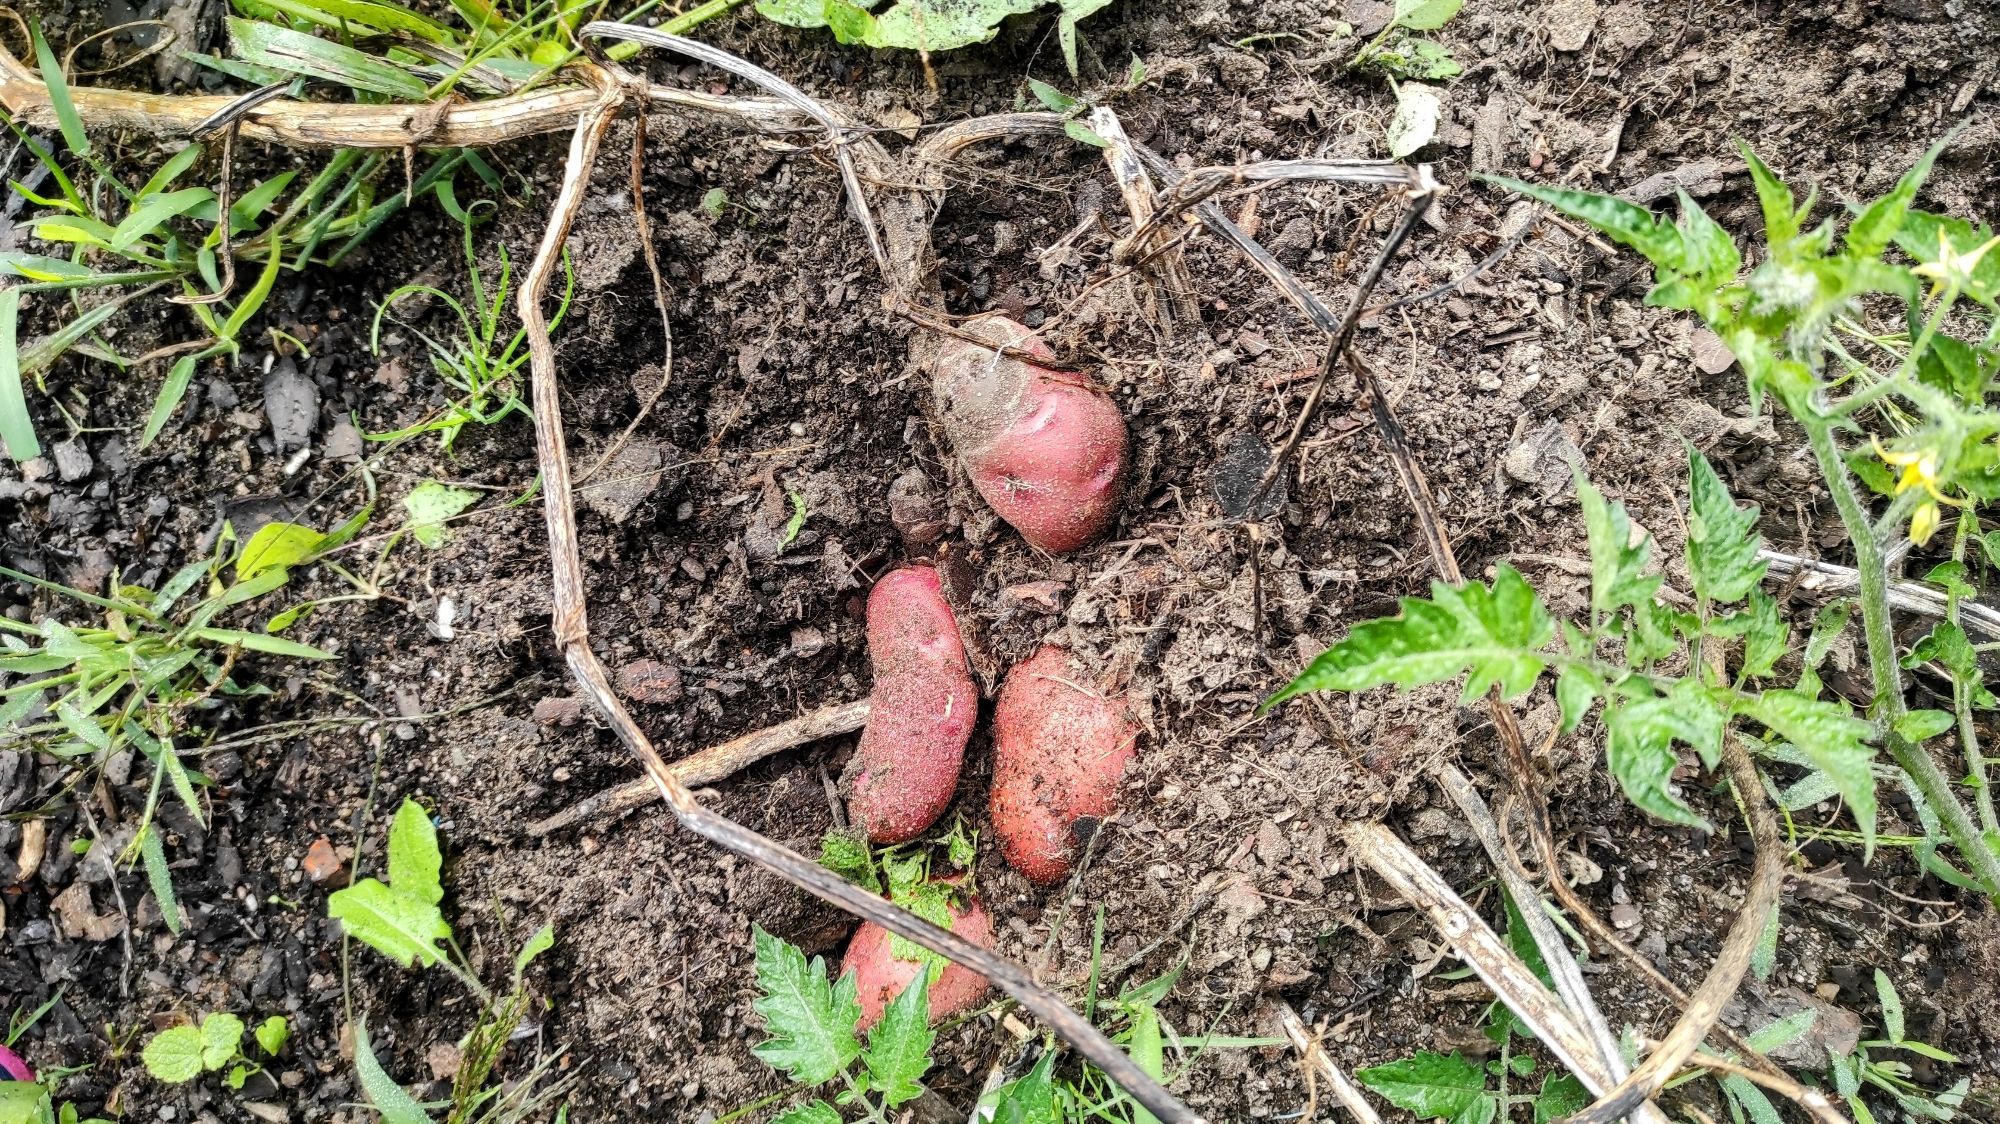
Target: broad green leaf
1415 121
1765 641
1710 254
810 1020
1781 219
1869 234
1617 564
1622 222
155 210
1722 538
899 1046
17 428
928 900
1144 1044
414 858
1425 15
1561 1096
1639 747
259 584
941 25
394 1102
403 927
430 504
1049 96
1576 690
794 13
1924 235
1029 1098
295 52
543 940
850 23
1434 1086
174 167
1084 134
276 545
1947 644
174 1055
172 391
1923 725
811 1112
221 1035
25 1102
1494 632
1892 1006
1833 739
848 855
273 1033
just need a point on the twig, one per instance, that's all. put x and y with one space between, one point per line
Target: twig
1811 1100
1344 1090
1172 283
1907 596
715 763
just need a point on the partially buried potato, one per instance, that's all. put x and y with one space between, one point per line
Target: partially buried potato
1060 752
921 711
880 976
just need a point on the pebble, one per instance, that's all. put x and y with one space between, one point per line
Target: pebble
650 681
73 461
321 862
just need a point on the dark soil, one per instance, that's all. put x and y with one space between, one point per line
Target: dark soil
787 379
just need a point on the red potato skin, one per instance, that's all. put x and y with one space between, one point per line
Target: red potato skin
879 977
1045 448
1060 752
923 707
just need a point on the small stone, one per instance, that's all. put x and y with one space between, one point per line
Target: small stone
1711 355
915 510
322 861
444 1059
1624 916
807 641
73 461
266 1111
566 710
650 681
343 441
1570 23
291 404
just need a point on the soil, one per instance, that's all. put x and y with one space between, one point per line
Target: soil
788 385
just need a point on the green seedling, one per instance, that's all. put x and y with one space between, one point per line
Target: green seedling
1398 53
1074 109
181 1054
402 918
1867 1066
925 25
904 873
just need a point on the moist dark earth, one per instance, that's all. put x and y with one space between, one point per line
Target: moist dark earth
788 380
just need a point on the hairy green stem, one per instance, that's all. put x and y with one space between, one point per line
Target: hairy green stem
1884 667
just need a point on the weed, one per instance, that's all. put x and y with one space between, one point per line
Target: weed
1073 109
1865 1066
180 1054
402 919
925 25
1399 54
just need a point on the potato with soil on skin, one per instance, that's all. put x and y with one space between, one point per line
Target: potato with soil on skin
1045 448
1060 752
880 977
921 709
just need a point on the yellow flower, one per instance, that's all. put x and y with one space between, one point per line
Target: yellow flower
1919 469
1924 523
1953 268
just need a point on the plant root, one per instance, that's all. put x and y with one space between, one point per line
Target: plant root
1344 1089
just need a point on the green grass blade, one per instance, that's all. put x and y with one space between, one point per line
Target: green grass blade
154 211
171 393
43 353
17 429
298 53
59 101
173 169
254 299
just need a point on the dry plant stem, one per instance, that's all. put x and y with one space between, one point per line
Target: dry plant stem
1904 596
1382 851
644 227
1172 285
1811 1100
717 762
1344 1089
1704 1008
572 637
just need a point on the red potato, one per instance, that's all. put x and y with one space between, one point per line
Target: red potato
880 977
1060 751
1045 448
922 709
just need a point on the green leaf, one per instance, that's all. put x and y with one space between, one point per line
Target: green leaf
1752 1100
1066 32
273 1033
430 504
1434 1086
1639 747
1415 121
942 25
1617 564
1780 1033
256 642
1765 641
1881 220
1892 1006
1923 235
237 1075
811 1112
414 858
174 1055
25 1102
17 428
334 14
1710 254
174 167
1425 15
850 23
295 52
847 854
1561 1095
244 213
403 927
1494 632
1029 1098
1923 725
1764 957
899 1047
1576 690
172 391
1625 223
67 118
221 1036
928 900
394 1102
810 1020
794 13
1084 134
1781 219
1722 538
154 210
1048 95
274 259
276 545
1833 739
543 940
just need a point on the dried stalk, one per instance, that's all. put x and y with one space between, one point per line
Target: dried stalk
1906 596
1344 1090
1809 1099
715 763
1172 285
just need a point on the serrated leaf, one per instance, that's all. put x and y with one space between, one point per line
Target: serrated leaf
810 1020
1709 253
1639 746
1494 632
1892 1006
394 1102
1781 219
430 504
174 1055
899 1046
811 1112
1622 222
403 927
1434 1086
847 854
1415 121
1870 232
1835 740
1765 641
221 1035
273 1033
1722 538
415 862
276 545
1561 1096
1029 1098
1617 564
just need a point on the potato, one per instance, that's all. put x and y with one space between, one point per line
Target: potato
1060 751
880 977
1045 448
921 710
